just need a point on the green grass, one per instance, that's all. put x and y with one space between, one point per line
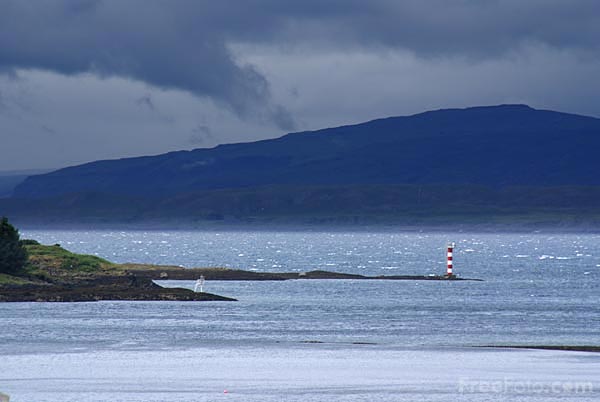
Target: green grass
6 279
51 264
57 258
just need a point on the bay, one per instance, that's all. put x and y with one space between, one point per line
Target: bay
538 288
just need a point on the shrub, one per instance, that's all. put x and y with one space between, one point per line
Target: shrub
13 255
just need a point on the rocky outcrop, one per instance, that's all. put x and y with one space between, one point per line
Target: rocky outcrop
223 274
128 287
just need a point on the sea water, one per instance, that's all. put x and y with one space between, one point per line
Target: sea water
311 340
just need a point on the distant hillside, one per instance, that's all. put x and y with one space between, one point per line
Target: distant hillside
491 146
353 204
8 184
508 163
11 179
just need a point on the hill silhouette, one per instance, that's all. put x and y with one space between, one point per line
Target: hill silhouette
492 146
475 160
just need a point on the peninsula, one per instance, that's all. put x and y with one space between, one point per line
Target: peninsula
54 274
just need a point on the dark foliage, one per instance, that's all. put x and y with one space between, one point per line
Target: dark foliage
13 255
30 242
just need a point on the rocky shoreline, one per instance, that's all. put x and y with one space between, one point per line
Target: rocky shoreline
225 274
571 348
54 274
137 284
103 288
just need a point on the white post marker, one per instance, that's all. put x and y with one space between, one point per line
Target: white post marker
449 259
199 284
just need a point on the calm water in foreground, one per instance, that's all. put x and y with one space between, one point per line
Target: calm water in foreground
319 340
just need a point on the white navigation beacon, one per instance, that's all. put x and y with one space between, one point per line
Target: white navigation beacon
199 284
449 258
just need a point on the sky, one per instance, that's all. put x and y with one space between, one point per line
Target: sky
102 79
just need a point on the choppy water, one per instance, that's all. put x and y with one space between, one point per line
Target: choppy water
538 289
491 255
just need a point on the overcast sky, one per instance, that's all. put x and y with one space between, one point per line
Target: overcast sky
96 79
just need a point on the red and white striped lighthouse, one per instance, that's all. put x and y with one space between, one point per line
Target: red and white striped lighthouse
450 251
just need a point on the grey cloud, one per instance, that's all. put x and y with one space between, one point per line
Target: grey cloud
204 130
48 130
282 118
200 135
481 28
146 101
344 61
168 45
185 44
196 139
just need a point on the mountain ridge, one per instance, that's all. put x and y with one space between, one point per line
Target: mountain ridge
437 147
501 165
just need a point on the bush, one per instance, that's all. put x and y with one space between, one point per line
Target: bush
13 255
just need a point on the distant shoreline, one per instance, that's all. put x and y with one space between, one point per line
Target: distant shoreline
136 284
571 348
54 274
291 226
157 272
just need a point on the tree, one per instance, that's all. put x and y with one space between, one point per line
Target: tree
13 254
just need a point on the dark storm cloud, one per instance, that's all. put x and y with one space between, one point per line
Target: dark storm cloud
186 44
473 28
168 45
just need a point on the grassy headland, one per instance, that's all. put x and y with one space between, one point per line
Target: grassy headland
55 274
